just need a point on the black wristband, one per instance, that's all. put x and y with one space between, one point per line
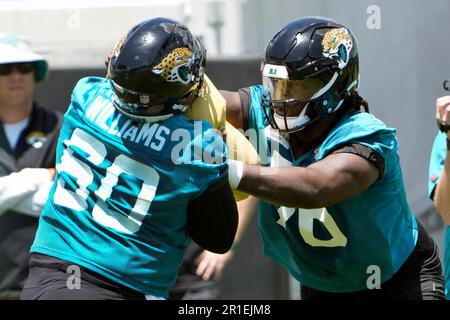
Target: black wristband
443 126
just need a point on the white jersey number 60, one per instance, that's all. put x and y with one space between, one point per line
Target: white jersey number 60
82 173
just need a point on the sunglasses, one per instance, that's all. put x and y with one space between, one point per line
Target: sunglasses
23 68
446 85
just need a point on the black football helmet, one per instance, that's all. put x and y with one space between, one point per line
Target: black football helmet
155 69
311 62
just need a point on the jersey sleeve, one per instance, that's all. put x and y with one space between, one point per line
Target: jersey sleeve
437 159
256 118
363 129
364 152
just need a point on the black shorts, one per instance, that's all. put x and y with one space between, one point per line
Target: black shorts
419 278
54 279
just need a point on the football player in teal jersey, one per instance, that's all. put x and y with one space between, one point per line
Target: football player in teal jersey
333 208
135 179
439 182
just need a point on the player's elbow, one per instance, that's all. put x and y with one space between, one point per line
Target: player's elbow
213 218
314 195
216 233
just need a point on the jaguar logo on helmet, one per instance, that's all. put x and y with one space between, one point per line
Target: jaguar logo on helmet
176 66
337 44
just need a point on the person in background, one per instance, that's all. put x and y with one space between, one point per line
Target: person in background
439 175
28 136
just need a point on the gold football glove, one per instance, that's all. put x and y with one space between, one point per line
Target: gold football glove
210 106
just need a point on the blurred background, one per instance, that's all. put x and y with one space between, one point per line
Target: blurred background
404 48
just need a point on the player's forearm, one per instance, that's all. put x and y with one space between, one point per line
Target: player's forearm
442 192
289 187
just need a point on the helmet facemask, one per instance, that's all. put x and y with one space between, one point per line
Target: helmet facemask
150 108
291 105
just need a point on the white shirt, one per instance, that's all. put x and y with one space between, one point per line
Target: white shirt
13 131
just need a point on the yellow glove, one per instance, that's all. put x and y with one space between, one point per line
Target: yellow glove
211 106
239 148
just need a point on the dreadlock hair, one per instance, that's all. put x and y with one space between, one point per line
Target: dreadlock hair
355 102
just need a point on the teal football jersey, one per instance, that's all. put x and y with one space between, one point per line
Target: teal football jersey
119 201
437 159
338 248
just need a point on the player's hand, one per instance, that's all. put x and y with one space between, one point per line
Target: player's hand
211 265
210 106
443 110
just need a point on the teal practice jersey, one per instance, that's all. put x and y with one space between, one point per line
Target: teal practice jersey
438 155
343 247
118 205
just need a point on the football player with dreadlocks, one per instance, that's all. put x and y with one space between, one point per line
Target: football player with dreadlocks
333 208
439 181
128 195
